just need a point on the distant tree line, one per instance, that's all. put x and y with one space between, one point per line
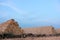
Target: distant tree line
10 35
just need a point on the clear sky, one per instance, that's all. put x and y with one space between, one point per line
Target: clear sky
30 13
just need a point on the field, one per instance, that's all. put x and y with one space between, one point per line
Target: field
35 38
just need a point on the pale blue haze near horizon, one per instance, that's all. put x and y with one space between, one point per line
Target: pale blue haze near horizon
31 13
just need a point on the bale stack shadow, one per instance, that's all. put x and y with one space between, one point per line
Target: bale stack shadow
10 35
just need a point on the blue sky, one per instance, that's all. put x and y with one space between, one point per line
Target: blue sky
31 13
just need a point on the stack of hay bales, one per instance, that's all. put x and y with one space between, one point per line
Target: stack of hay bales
11 26
58 31
40 30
